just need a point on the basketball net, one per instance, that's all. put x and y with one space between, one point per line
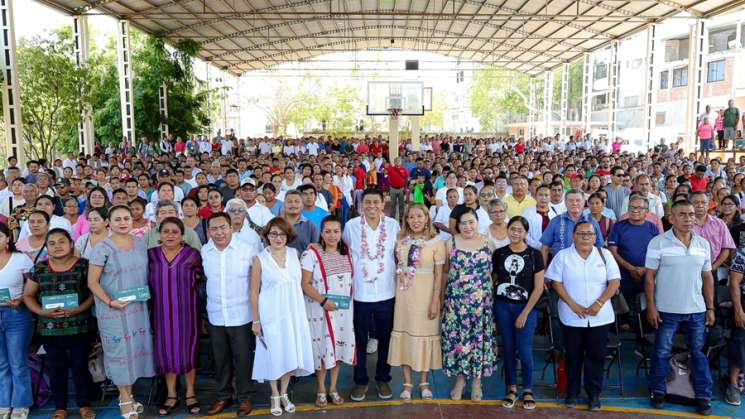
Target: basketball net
394 112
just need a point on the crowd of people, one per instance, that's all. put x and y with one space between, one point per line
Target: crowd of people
299 257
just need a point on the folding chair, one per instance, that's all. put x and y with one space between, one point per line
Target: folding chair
545 340
614 345
646 336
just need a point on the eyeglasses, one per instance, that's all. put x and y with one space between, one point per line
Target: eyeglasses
585 234
276 234
487 195
236 210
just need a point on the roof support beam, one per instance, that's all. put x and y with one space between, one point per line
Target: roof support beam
679 7
85 126
126 90
11 86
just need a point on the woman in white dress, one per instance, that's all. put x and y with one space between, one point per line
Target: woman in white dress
280 323
327 270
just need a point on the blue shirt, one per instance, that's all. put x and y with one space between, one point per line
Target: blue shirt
632 241
560 231
413 173
316 216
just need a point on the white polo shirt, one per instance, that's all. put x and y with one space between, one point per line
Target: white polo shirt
585 280
228 275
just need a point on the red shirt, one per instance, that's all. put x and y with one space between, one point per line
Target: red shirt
520 148
397 176
376 149
360 175
699 184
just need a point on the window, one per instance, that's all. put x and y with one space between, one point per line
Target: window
631 101
601 71
680 77
722 39
600 102
664 79
715 71
676 49
659 118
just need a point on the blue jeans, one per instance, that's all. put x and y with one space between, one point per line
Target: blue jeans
518 343
698 365
16 330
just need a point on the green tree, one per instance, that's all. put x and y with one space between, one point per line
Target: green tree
435 119
154 63
499 96
52 91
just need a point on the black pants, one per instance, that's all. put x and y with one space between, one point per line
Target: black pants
585 348
367 315
65 354
233 349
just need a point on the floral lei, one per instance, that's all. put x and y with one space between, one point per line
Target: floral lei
406 271
379 253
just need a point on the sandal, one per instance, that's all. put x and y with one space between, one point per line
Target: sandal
336 399
276 407
457 392
476 392
288 405
166 409
138 407
406 394
193 408
510 399
60 414
132 412
426 392
528 404
321 400
87 413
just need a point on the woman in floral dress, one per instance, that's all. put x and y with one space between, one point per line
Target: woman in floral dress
468 342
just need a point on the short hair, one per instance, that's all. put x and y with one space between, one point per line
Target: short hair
519 219
452 190
468 210
162 184
281 224
58 230
471 187
581 223
639 197
41 197
237 201
293 192
372 191
497 202
682 202
306 187
220 214
163 203
138 200
542 186
270 187
172 220
574 192
697 193
231 171
597 195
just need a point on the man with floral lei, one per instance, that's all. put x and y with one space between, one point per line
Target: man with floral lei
371 238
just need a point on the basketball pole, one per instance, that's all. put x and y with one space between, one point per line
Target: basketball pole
392 136
415 127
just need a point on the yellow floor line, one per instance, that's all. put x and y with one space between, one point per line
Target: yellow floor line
544 405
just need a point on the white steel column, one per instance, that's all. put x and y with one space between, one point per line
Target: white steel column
650 90
126 90
85 126
696 43
586 93
415 128
163 105
392 137
548 94
531 109
11 88
613 90
564 98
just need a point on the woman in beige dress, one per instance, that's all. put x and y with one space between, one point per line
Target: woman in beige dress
415 340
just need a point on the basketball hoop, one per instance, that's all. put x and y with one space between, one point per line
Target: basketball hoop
394 112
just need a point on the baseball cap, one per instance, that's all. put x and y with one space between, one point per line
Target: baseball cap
248 181
163 173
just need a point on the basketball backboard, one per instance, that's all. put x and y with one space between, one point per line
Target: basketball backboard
411 97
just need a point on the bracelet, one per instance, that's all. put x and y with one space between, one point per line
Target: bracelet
323 303
709 309
599 303
109 303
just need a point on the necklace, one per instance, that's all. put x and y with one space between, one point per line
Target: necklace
407 267
379 252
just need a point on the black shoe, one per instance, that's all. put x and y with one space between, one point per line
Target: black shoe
703 407
594 404
570 402
657 400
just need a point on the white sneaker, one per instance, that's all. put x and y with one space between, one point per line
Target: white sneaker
19 413
372 346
